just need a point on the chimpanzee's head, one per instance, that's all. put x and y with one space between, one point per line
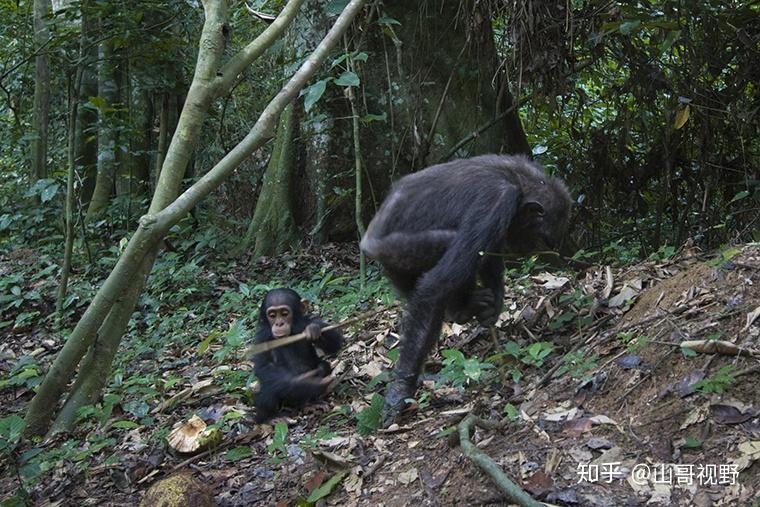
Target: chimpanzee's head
542 217
280 310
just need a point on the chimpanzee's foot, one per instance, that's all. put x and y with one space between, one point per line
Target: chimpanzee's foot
398 390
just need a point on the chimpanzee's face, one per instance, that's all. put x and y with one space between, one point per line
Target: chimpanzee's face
280 320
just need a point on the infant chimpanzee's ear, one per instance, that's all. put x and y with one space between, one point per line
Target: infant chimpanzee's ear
306 306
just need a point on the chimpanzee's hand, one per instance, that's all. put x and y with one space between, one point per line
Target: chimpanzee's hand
313 332
487 308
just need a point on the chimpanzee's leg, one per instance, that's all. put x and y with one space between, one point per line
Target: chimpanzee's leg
409 252
491 274
420 329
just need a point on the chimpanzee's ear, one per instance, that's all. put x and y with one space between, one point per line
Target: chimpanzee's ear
533 208
306 306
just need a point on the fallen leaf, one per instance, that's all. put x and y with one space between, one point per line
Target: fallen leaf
625 294
750 452
538 484
752 317
599 443
577 427
697 415
550 282
408 477
729 414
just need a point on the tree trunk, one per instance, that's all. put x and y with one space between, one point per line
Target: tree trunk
103 323
41 107
272 225
108 91
140 144
434 80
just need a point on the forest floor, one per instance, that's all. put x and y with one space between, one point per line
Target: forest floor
598 401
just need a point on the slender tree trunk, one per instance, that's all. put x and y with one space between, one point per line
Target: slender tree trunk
141 110
163 133
107 316
41 107
107 133
70 171
357 171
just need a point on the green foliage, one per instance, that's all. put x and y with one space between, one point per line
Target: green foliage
277 448
459 371
577 364
511 412
310 441
634 342
326 488
531 355
536 353
238 453
10 433
369 418
25 373
717 383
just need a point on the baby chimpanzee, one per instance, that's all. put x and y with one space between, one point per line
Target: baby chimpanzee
293 374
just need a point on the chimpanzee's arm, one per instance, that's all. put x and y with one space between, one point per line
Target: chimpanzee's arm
329 341
279 385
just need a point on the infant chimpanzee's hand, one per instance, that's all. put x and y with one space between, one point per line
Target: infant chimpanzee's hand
313 332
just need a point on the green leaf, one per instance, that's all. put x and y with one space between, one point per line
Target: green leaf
49 192
682 116
238 453
237 334
369 118
361 57
314 93
207 341
672 36
629 27
369 419
125 425
739 196
98 102
348 78
385 20
326 488
511 412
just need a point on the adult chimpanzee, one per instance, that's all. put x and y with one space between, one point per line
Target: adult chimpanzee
433 235
293 374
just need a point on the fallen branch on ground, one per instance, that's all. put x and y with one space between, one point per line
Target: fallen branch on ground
511 491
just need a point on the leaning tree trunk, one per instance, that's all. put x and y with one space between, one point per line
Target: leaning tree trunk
431 89
41 106
101 327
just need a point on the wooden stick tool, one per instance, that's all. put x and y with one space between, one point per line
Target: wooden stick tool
258 348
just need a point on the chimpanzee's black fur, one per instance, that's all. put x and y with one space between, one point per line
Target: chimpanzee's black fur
278 369
430 235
